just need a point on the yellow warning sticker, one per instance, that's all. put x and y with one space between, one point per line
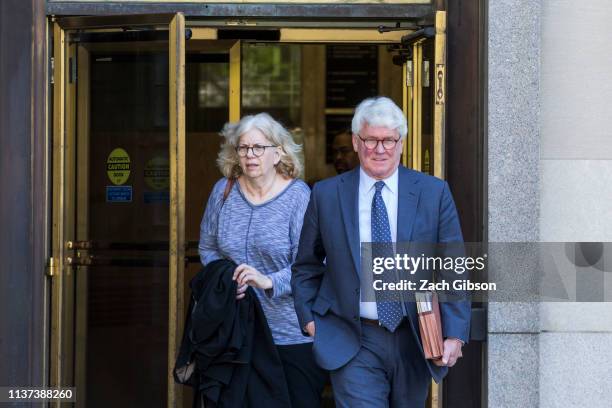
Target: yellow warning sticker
118 166
157 173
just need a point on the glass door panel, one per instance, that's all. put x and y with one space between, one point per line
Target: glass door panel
118 137
212 88
425 94
209 91
427 106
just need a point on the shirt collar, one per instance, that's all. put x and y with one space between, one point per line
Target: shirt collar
366 183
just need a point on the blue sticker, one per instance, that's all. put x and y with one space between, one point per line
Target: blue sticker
153 197
118 194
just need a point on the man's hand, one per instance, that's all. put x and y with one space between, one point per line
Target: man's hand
452 352
247 275
310 328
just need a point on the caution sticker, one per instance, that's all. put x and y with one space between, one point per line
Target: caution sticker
118 194
157 173
118 166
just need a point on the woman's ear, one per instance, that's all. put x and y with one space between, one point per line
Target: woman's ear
278 152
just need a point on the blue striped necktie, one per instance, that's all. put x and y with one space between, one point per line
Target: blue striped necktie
389 311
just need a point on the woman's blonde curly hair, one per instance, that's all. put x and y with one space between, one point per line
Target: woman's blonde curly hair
229 161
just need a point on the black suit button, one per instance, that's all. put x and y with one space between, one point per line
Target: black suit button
357 290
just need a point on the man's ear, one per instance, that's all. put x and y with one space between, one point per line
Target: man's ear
355 143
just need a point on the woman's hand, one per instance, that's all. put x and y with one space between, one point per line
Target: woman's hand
240 291
247 275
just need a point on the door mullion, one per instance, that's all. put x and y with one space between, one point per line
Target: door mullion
58 209
235 78
82 222
440 95
177 199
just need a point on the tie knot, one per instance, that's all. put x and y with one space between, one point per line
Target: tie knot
379 186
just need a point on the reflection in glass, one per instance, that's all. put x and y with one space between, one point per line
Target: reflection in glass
206 92
120 116
271 81
428 102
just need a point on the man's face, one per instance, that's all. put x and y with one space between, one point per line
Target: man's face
345 158
378 162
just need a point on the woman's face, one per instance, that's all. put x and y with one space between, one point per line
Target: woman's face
257 166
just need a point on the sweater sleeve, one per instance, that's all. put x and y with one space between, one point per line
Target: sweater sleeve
281 280
207 247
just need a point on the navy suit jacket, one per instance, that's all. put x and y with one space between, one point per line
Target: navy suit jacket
325 276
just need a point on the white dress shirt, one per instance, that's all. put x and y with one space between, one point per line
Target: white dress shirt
390 194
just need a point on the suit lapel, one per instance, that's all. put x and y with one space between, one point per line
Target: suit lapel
409 192
348 194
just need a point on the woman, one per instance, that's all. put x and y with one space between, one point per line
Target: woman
257 225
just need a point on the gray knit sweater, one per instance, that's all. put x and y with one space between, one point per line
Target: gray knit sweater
265 236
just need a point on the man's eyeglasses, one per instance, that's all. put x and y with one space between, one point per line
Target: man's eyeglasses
258 150
372 143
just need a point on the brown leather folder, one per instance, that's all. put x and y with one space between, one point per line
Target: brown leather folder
430 324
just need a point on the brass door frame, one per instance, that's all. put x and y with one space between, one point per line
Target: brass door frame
64 196
439 131
291 35
416 125
439 112
62 144
58 210
177 199
235 81
408 108
82 220
412 94
440 95
315 35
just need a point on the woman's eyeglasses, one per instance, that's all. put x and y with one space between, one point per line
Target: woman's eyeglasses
257 150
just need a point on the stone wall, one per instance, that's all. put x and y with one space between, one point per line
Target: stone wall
549 180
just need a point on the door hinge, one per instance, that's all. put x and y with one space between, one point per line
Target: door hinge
240 22
425 32
440 80
425 77
51 267
72 71
409 73
52 70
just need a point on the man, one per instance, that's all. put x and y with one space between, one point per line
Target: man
374 354
345 158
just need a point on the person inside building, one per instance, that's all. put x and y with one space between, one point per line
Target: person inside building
254 217
345 157
371 347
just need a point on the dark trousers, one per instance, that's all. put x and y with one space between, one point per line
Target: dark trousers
305 378
389 371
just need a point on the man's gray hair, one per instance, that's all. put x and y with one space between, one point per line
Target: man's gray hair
228 160
379 111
